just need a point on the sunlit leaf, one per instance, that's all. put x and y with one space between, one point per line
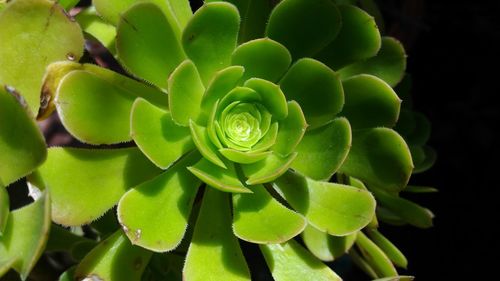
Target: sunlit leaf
267 169
375 257
223 179
327 247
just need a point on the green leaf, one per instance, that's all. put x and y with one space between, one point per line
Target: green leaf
223 179
243 157
93 25
75 177
358 39
61 240
303 26
268 140
410 212
148 55
389 64
210 37
154 214
379 157
272 97
377 259
34 34
185 92
157 136
262 58
204 145
222 83
259 218
370 102
397 278
68 4
214 253
316 88
25 236
392 252
360 262
415 127
114 259
291 130
371 7
326 247
323 150
333 208
423 157
4 208
420 189
68 274
290 262
22 146
177 12
268 169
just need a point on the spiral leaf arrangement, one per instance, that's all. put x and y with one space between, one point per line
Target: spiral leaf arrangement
257 121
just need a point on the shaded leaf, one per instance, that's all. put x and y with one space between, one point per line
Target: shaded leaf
272 97
268 169
290 262
22 146
157 136
304 27
221 84
214 253
389 64
392 252
375 257
379 157
204 145
223 179
323 150
326 247
154 214
25 236
114 259
4 208
75 177
95 26
291 130
370 102
40 25
333 208
210 37
148 55
316 88
259 218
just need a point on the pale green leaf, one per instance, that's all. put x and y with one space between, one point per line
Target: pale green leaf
114 259
210 37
330 207
259 218
34 34
185 92
75 177
323 150
154 214
204 144
156 134
22 146
25 236
4 208
379 157
291 262
272 97
243 157
93 25
221 84
223 179
304 27
147 44
375 257
214 253
316 88
290 130
392 252
326 247
370 102
262 58
268 169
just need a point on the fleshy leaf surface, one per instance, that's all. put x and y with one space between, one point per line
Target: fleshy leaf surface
22 146
291 130
114 259
223 179
323 150
75 177
25 236
326 247
370 102
148 55
154 214
93 25
333 208
268 169
259 218
375 256
272 96
214 253
221 84
4 208
185 92
304 27
210 37
204 145
156 134
262 58
392 252
29 25
316 88
379 157
389 64
291 262
358 39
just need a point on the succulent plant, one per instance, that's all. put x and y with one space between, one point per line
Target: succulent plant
249 121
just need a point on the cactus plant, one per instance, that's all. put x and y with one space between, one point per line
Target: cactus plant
251 121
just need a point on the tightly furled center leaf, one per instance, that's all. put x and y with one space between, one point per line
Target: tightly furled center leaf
241 123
